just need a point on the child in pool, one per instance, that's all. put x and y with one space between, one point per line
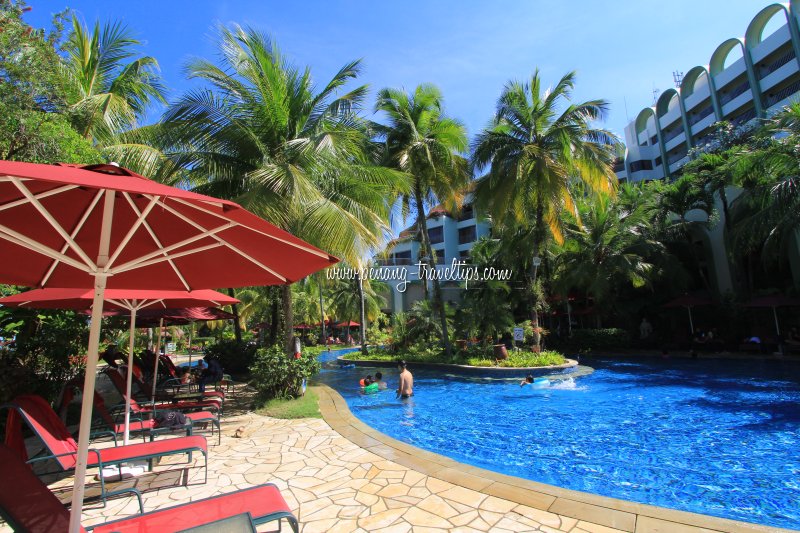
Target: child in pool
527 381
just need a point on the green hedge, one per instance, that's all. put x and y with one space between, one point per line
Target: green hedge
277 375
235 357
599 339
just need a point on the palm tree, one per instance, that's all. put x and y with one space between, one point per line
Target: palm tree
266 137
421 141
106 95
676 200
534 152
609 250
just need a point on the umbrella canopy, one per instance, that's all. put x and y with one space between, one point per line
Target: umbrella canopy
774 301
688 301
117 299
103 226
302 326
57 221
347 324
129 301
182 317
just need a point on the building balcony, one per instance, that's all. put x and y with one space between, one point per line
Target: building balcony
775 101
778 38
667 119
731 73
704 123
678 163
676 140
730 107
697 97
784 72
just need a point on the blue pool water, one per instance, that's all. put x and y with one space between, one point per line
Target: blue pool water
713 437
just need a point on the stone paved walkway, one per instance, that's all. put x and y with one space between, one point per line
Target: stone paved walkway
335 485
331 484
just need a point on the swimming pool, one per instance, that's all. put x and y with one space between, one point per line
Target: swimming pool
712 437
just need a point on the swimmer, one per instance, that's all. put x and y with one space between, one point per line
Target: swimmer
379 380
406 388
527 381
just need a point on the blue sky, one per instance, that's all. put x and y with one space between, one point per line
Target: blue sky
469 48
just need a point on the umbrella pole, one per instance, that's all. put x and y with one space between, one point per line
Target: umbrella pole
691 323
158 354
92 356
129 379
86 404
777 329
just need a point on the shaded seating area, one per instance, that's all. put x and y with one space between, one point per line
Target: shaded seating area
62 447
28 505
108 424
211 404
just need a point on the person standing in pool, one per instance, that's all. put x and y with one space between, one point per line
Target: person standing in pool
406 388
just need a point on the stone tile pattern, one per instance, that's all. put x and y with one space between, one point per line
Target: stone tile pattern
334 485
330 483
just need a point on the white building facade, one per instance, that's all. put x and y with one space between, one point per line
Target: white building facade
452 237
746 79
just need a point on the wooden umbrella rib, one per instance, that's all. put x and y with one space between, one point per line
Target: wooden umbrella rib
38 196
313 251
165 251
134 227
74 233
158 243
229 245
53 222
22 240
154 261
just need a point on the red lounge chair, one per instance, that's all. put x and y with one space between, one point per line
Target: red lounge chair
26 504
41 418
148 427
137 425
212 404
170 387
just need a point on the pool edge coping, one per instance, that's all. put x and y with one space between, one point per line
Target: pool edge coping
603 510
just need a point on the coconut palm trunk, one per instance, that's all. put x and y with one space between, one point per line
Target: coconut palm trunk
288 314
437 301
363 339
237 327
537 245
323 334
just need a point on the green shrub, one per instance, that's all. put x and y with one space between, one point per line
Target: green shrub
235 357
276 375
599 339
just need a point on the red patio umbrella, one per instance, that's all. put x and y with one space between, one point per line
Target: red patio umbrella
122 300
347 324
182 317
688 301
103 226
774 301
302 326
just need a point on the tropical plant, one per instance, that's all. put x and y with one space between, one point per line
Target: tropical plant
32 99
675 201
610 249
107 95
534 151
266 137
486 308
424 143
